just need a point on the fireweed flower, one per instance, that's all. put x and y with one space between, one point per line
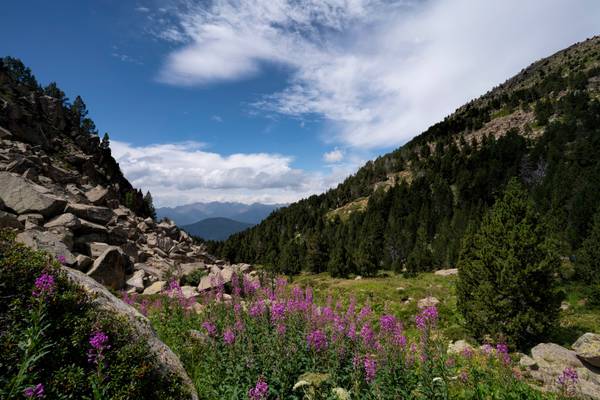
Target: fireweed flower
427 318
467 353
388 323
228 337
502 352
257 309
260 391
370 366
277 311
34 392
44 285
367 335
210 328
364 313
486 349
280 328
317 340
351 331
99 343
61 259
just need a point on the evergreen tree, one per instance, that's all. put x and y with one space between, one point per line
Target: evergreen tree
338 262
53 90
420 258
105 144
507 284
149 206
588 257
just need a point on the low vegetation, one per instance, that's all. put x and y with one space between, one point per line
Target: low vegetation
56 345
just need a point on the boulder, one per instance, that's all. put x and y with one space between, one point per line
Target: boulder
83 262
97 248
446 272
587 348
137 280
100 215
155 288
8 220
87 227
66 220
23 196
35 219
189 291
49 242
109 269
429 301
459 347
169 363
548 354
97 195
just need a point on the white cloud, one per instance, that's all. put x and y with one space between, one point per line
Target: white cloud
379 72
217 118
333 156
181 173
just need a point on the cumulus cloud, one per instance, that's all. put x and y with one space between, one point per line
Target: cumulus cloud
333 156
378 71
180 173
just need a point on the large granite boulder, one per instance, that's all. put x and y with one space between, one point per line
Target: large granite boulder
24 196
587 348
169 363
97 195
66 220
110 267
100 215
49 242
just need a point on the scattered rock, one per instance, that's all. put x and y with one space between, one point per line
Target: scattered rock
447 272
83 262
358 278
34 219
109 269
97 248
8 220
189 291
564 306
429 301
24 196
527 362
155 288
100 215
137 280
97 195
587 348
459 347
67 220
546 354
49 242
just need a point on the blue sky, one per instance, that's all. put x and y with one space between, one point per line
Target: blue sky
274 100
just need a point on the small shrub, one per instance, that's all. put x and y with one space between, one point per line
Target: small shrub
194 278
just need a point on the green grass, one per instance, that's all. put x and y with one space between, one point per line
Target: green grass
400 295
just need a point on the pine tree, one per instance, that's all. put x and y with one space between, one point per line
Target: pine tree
420 258
149 205
588 256
507 284
105 144
338 262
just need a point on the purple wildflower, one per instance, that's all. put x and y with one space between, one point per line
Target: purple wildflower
427 317
367 334
260 391
467 352
370 369
364 313
317 340
257 309
99 343
486 349
502 352
277 311
61 259
388 323
228 337
44 285
568 377
280 328
211 329
36 391
463 376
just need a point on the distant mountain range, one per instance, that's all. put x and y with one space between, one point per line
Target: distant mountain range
216 228
195 212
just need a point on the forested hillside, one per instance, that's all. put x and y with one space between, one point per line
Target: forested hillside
409 209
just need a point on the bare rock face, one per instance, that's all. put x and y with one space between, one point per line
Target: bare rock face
24 196
587 348
67 220
168 361
49 242
109 268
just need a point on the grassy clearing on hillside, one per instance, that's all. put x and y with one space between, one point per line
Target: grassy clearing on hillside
391 292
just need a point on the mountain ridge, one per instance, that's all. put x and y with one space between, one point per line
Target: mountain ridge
187 214
448 176
217 228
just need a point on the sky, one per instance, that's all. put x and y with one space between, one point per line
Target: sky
274 100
